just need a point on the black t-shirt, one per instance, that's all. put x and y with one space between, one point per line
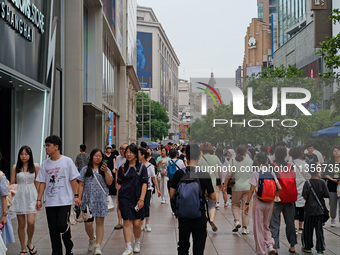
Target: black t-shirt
312 207
115 153
109 161
333 170
204 179
313 159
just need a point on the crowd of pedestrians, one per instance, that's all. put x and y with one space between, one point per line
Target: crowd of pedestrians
266 183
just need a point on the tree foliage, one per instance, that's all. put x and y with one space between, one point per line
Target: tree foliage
330 54
262 89
159 118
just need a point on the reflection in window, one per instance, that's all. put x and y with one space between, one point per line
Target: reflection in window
272 2
108 73
260 10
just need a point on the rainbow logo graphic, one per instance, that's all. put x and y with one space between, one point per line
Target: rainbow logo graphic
204 97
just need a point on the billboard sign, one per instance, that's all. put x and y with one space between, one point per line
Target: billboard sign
144 59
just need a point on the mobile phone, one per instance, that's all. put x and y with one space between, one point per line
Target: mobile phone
136 208
105 161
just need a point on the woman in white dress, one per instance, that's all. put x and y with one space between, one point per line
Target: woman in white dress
24 174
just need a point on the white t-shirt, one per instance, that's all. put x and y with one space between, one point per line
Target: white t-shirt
120 160
151 174
57 176
319 155
179 163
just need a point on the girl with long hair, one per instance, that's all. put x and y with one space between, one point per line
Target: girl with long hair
24 174
132 186
93 189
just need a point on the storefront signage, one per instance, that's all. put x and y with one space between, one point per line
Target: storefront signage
319 4
252 43
17 22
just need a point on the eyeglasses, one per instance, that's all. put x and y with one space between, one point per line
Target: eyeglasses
128 153
97 156
48 145
336 150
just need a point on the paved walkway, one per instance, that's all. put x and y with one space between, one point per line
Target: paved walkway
164 236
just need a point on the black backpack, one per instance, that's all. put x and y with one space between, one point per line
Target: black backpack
188 199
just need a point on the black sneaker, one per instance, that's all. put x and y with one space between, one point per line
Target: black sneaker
69 253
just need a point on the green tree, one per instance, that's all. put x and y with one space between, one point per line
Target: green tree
262 89
159 118
330 54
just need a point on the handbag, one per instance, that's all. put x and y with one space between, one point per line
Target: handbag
109 200
326 215
159 176
77 215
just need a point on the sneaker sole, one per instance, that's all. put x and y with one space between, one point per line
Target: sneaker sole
236 228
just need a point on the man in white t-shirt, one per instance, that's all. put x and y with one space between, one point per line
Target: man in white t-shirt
58 179
120 160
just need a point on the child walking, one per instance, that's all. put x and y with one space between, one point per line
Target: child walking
313 190
263 204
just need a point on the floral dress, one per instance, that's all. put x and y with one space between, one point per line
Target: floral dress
93 195
7 231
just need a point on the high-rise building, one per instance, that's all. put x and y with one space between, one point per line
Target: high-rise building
157 65
258 48
265 8
302 26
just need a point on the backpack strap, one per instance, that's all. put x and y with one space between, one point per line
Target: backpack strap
176 164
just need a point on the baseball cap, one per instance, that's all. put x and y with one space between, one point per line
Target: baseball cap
108 146
249 144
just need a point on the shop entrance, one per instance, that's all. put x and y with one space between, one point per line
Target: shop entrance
5 128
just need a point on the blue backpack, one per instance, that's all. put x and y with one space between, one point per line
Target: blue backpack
172 167
188 197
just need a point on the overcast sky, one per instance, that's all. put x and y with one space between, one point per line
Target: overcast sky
206 35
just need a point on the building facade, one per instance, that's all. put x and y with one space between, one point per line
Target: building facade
157 65
306 26
258 48
70 72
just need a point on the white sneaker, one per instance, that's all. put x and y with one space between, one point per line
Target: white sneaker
245 231
147 228
143 228
137 247
217 205
333 223
163 201
92 244
128 251
237 225
271 250
97 251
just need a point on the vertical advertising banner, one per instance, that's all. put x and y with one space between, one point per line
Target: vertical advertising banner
144 59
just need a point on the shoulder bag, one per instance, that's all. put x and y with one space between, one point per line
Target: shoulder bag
110 203
324 209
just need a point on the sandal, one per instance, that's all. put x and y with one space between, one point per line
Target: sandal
31 250
23 252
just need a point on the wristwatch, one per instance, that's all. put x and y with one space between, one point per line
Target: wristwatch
247 203
5 213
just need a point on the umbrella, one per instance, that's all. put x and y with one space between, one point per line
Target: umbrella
331 132
152 145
